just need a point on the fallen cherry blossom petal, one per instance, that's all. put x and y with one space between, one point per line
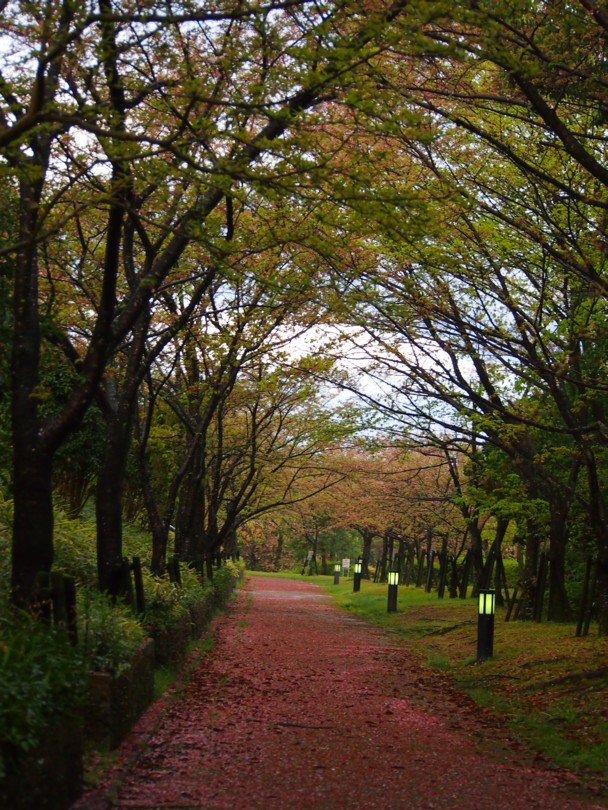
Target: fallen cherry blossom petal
301 706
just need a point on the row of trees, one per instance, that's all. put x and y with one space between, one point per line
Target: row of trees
488 327
188 185
154 158
385 503
481 309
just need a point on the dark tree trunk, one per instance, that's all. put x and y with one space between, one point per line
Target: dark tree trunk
231 544
278 551
559 609
401 557
158 527
529 584
111 479
312 562
32 550
598 518
476 551
35 441
409 563
380 575
160 543
73 488
32 547
368 538
490 570
160 518
189 545
559 603
110 484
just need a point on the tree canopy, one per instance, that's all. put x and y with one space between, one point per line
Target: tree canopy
415 192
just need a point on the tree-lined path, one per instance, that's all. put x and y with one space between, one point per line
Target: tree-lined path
301 706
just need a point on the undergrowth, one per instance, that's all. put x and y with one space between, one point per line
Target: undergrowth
42 675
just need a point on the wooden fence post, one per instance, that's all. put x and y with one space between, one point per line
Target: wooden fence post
174 570
69 588
140 598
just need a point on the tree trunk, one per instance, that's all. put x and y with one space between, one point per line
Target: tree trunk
158 527
368 538
110 485
559 609
231 547
313 560
529 584
190 545
73 488
279 551
602 592
408 568
32 549
111 479
32 544
492 561
381 571
476 551
598 518
208 529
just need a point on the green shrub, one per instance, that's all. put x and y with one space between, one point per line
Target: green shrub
165 605
41 675
225 579
136 541
109 633
74 545
194 591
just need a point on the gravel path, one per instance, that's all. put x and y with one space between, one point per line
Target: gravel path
302 706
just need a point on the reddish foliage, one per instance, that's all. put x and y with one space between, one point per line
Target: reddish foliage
302 706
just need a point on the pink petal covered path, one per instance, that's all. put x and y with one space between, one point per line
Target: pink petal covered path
301 706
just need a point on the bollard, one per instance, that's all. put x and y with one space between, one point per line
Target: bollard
357 576
485 624
393 584
337 574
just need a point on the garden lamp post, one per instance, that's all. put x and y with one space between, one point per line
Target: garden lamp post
393 583
337 574
485 624
357 576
